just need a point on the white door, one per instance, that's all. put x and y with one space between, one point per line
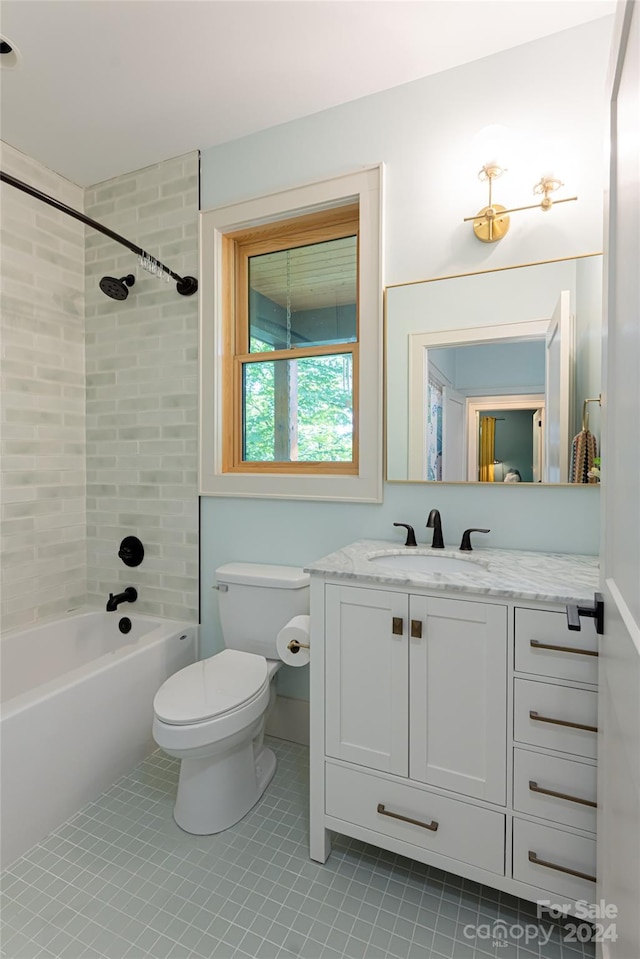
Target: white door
538 445
558 390
458 696
453 439
366 659
619 706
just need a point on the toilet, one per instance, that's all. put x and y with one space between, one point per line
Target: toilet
211 715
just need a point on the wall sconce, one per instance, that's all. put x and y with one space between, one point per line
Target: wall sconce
492 222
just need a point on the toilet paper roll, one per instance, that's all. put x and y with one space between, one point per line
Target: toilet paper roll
293 641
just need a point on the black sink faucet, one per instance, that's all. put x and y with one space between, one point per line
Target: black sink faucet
435 523
130 595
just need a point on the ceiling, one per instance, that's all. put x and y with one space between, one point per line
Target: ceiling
104 87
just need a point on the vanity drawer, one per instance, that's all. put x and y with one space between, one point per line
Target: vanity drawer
565 718
562 855
445 826
536 630
536 775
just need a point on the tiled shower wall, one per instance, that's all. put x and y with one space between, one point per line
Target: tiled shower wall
43 547
142 391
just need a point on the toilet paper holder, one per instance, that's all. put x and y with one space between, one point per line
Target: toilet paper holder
294 646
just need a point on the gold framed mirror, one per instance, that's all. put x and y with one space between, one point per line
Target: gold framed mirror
487 374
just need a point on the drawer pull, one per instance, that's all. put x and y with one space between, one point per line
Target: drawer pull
397 626
416 629
563 649
414 822
554 865
561 722
535 788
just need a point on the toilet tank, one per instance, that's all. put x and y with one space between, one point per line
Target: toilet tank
256 601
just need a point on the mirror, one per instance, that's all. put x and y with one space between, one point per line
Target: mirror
488 374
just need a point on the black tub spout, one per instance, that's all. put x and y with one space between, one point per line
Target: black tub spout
130 595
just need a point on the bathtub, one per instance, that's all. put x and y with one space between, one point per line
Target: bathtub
76 712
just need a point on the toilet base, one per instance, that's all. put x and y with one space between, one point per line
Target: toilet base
265 768
215 793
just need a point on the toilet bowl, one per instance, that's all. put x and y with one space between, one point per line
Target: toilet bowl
212 714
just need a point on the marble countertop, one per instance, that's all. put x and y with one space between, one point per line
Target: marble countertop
507 573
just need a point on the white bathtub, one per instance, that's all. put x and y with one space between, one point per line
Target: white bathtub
76 713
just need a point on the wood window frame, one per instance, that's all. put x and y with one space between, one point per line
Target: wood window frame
237 249
364 187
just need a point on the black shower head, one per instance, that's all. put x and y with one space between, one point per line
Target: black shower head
117 289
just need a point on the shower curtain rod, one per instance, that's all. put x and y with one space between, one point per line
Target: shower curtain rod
185 285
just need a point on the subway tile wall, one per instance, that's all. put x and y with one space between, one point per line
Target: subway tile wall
42 497
142 391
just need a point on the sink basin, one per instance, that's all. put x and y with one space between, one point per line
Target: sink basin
427 563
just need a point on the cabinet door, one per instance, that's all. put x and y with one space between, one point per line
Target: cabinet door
458 696
366 675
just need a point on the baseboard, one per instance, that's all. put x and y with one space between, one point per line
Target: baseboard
289 719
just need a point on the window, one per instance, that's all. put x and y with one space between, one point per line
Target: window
291 344
292 327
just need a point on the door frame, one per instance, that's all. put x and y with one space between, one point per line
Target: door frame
476 404
618 823
419 346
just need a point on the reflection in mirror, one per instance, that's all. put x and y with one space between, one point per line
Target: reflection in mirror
487 374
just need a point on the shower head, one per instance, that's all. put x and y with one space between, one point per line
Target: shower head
117 289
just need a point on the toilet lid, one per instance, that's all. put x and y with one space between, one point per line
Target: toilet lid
210 687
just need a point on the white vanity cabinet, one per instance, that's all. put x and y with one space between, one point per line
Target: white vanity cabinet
367 665
458 696
420 687
456 728
555 717
419 691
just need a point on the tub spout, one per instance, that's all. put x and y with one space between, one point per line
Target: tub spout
130 595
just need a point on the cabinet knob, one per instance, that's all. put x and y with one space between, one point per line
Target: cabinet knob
397 627
416 629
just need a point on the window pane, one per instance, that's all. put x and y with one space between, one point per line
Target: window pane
305 296
298 410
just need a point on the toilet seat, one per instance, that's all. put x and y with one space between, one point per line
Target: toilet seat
211 688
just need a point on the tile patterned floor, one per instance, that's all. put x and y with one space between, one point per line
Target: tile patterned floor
120 880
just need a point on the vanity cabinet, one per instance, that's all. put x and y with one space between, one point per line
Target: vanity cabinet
367 667
555 725
420 688
456 729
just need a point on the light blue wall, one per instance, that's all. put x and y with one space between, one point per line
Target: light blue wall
514 441
444 361
423 133
494 367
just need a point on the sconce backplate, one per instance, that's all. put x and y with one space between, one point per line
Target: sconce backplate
489 226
